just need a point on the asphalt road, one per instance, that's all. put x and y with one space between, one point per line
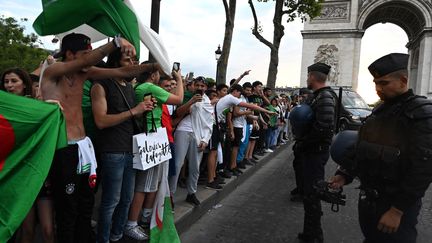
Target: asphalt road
260 211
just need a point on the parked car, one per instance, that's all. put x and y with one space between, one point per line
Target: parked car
353 109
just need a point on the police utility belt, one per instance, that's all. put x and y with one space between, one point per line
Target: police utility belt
382 168
368 194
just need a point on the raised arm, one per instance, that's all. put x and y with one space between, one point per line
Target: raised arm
255 108
241 77
184 109
237 112
121 72
177 97
92 58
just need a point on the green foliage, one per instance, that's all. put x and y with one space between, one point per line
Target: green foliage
302 9
18 49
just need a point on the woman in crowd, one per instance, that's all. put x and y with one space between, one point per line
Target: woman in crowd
18 81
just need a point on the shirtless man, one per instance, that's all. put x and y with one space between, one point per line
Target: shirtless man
63 83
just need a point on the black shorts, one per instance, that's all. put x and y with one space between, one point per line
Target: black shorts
215 138
254 135
238 135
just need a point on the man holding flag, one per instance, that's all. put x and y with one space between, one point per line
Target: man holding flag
63 82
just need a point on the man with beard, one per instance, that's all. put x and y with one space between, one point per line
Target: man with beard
62 82
113 103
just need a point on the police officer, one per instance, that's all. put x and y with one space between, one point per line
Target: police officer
297 192
393 156
313 148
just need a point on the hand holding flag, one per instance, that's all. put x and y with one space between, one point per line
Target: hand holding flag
100 19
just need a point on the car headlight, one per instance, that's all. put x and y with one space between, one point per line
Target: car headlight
355 117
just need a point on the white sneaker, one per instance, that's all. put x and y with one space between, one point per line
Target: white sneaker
268 151
136 233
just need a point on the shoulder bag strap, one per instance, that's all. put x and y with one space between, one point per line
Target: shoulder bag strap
127 104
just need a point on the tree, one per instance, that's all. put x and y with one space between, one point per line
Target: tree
293 9
18 49
226 46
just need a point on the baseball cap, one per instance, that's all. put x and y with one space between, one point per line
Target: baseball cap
73 42
200 79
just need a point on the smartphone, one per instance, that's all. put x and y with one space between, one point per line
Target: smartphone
191 74
176 66
147 96
200 92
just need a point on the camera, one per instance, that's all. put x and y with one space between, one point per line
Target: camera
176 66
329 195
200 92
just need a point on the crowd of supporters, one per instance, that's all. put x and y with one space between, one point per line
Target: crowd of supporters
214 131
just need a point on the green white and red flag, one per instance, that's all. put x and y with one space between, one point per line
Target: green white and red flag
162 227
100 19
30 132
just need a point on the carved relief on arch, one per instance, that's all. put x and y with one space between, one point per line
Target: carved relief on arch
329 54
334 12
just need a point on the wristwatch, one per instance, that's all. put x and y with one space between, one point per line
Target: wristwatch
116 41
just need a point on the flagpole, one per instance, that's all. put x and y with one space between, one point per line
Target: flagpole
154 21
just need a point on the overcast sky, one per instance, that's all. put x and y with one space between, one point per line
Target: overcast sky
192 30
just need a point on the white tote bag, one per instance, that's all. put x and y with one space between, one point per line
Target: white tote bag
150 149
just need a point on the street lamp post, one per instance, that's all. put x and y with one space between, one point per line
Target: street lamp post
218 54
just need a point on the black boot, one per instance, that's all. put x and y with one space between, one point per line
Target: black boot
312 231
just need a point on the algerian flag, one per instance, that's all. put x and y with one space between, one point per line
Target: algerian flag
30 132
162 227
99 19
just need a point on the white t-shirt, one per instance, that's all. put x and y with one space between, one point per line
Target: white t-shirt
225 103
240 121
186 123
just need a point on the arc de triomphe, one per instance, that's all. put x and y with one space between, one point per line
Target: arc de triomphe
335 37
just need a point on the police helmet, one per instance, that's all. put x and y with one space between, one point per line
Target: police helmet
343 146
301 118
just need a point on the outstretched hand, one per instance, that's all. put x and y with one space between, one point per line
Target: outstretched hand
246 73
127 48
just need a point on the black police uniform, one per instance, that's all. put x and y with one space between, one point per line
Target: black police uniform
297 193
393 162
313 152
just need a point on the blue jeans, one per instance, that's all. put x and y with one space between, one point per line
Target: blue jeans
270 137
118 181
244 144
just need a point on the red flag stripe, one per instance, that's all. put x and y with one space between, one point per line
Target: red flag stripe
7 136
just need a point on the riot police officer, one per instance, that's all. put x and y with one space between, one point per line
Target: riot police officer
312 148
393 156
